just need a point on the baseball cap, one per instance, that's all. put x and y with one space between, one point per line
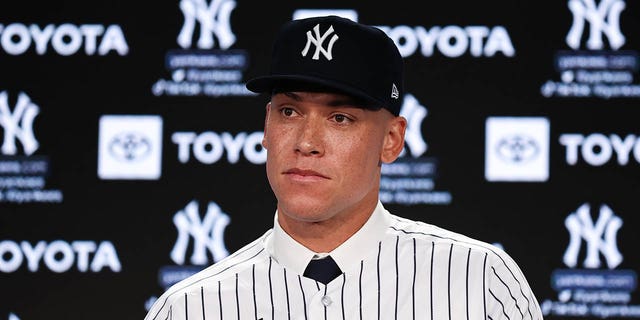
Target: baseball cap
336 53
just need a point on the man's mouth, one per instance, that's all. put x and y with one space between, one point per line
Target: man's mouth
305 174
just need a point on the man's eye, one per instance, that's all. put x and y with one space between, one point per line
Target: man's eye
340 118
288 112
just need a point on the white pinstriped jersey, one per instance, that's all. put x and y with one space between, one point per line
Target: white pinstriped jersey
393 268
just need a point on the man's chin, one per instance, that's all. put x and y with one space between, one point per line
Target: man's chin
304 210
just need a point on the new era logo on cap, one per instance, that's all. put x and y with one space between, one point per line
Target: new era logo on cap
395 94
339 54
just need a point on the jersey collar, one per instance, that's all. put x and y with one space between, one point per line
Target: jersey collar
294 256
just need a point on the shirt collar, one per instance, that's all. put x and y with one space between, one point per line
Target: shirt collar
292 255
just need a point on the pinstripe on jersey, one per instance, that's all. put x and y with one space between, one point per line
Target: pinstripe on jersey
417 271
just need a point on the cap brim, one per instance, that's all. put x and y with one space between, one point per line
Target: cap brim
267 84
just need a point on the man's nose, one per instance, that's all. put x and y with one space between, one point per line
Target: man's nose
309 140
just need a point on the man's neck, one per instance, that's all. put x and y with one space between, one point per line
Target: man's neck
326 235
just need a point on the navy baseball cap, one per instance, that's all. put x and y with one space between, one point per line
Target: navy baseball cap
338 54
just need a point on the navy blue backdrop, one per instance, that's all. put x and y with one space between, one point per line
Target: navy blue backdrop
130 151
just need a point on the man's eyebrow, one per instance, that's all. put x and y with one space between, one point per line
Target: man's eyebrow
343 101
292 95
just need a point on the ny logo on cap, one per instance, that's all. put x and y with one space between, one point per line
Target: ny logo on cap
318 41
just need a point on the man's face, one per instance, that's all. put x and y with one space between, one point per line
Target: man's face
324 153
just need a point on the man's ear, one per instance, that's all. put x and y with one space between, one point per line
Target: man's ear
394 139
266 121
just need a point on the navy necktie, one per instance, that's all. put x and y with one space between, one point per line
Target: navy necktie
323 270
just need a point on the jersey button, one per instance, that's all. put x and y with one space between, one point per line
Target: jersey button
326 300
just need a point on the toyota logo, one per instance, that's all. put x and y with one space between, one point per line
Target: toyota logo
517 149
129 146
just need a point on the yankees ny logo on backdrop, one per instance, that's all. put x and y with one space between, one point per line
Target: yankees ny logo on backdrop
603 19
18 125
213 19
415 113
207 233
318 40
600 237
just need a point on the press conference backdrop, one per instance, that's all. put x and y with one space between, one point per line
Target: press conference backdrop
130 155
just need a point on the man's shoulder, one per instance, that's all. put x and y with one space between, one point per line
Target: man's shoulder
240 260
429 233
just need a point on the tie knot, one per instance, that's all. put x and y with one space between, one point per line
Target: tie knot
322 270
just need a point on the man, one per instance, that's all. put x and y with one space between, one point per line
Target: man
334 251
